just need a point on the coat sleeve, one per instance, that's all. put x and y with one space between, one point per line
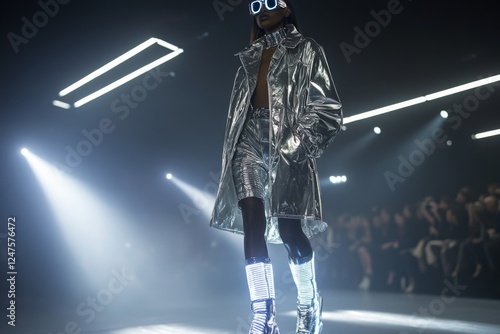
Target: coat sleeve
235 98
322 118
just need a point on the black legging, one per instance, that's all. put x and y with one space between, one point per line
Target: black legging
254 226
294 239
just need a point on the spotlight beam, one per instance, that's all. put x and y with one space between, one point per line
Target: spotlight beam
421 99
92 229
201 199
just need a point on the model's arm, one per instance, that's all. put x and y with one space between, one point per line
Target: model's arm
319 122
322 117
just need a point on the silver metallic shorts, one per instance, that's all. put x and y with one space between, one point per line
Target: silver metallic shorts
251 158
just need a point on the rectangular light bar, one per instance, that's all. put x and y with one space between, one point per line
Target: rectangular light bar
112 64
461 88
384 110
421 99
486 134
61 104
127 78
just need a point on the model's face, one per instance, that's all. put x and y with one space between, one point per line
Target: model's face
271 20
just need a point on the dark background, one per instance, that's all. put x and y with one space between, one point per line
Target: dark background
179 127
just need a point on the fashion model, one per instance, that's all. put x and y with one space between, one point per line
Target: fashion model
284 111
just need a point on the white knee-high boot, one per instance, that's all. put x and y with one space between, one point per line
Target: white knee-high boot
261 287
309 302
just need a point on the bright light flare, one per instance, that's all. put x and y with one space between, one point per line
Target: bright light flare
444 114
338 179
486 134
169 176
25 151
377 130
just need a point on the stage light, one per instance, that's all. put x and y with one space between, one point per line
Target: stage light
338 179
202 200
449 142
464 87
384 110
94 231
61 104
377 130
124 57
202 203
486 134
24 151
169 176
444 114
421 99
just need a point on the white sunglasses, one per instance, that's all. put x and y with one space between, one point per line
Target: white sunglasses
256 6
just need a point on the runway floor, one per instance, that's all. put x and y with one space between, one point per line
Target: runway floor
345 312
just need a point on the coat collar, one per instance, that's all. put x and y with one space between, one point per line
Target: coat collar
291 40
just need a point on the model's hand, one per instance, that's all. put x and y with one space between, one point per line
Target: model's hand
292 149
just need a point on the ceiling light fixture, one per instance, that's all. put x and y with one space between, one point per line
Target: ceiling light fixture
486 134
422 99
112 64
61 104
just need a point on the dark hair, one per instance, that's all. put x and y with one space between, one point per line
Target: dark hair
468 194
257 32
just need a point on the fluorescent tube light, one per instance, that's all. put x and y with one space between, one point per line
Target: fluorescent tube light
61 104
127 78
384 110
112 64
486 134
461 88
421 99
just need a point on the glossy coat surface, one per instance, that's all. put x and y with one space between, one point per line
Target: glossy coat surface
305 114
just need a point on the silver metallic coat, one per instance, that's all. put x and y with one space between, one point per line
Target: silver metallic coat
305 117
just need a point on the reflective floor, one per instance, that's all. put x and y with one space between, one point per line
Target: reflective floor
345 312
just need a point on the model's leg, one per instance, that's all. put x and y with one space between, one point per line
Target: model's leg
301 260
258 267
254 226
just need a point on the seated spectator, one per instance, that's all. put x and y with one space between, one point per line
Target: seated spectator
384 234
361 239
456 231
489 218
458 238
416 230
